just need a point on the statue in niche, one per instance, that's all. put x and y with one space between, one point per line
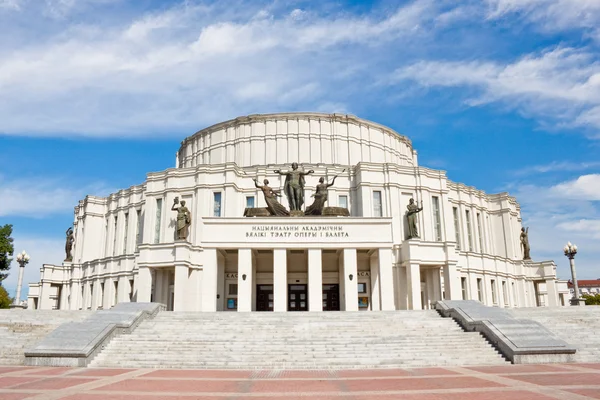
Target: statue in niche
274 207
525 243
69 244
316 208
294 186
184 218
411 216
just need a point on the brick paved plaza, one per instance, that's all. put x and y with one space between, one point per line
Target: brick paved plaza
514 382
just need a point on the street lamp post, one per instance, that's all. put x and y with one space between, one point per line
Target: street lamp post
22 259
570 251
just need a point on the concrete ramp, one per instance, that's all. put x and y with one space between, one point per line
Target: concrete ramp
521 340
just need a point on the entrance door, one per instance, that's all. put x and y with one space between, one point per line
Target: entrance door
331 297
297 298
264 297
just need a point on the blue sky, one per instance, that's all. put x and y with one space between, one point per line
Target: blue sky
502 94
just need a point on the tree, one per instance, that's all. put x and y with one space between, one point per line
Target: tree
5 300
6 250
592 299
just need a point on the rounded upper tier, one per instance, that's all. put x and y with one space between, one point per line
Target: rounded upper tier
313 138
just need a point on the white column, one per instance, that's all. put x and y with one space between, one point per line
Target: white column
280 280
193 299
96 295
75 295
437 284
452 282
245 285
429 297
144 285
17 300
109 294
375 282
386 279
221 290
159 284
413 285
210 277
123 296
64 297
315 280
552 293
181 281
351 286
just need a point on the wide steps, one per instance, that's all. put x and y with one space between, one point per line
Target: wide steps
22 329
297 341
578 326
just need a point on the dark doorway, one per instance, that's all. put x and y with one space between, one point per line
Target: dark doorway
264 297
331 297
297 298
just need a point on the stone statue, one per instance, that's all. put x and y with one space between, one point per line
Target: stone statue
525 243
69 244
274 207
184 219
294 186
411 216
316 208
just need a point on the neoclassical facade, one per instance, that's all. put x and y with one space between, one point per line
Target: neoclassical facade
126 246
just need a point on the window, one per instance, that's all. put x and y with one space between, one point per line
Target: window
469 232
377 209
115 237
116 297
233 289
157 223
130 289
456 226
505 293
126 228
480 231
437 226
249 201
343 201
91 295
480 289
101 295
493 286
138 234
362 288
463 285
217 204
106 238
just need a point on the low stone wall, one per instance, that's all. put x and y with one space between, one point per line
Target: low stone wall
522 341
75 344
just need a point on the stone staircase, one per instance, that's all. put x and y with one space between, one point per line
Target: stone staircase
297 341
578 326
22 329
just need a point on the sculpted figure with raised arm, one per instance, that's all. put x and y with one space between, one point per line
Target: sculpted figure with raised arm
274 207
184 218
294 186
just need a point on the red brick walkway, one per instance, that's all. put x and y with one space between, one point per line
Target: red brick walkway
514 382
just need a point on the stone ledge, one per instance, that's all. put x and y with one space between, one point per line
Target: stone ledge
75 344
522 341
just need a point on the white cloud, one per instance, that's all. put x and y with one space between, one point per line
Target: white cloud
555 218
559 166
585 187
551 15
40 197
10 4
559 84
191 65
42 251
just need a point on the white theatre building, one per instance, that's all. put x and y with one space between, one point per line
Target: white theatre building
125 245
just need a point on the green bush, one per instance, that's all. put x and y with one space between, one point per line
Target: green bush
5 300
592 300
